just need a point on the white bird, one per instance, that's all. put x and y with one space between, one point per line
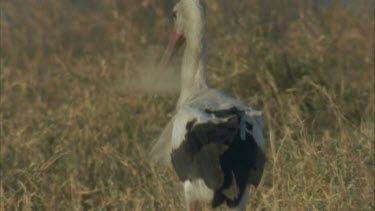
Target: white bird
214 141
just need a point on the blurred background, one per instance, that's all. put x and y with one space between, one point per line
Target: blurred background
82 99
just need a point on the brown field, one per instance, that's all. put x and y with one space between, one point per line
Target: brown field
77 117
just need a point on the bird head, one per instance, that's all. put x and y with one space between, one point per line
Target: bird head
189 21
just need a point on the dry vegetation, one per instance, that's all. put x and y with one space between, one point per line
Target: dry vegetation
70 140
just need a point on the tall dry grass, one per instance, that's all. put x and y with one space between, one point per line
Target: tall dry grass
72 140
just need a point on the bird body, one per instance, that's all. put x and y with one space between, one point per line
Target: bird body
214 141
217 148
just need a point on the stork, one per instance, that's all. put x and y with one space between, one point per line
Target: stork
214 141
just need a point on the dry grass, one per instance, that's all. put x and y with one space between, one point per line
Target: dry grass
71 141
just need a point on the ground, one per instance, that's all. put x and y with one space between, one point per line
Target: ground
77 117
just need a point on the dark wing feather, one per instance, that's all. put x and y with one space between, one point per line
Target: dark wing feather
199 154
214 152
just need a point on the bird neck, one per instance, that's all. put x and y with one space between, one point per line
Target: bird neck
193 73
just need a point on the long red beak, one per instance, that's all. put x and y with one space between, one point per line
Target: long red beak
175 43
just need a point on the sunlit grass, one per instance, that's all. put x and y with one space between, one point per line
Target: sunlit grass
72 140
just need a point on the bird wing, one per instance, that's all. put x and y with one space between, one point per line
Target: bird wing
161 149
223 147
209 99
